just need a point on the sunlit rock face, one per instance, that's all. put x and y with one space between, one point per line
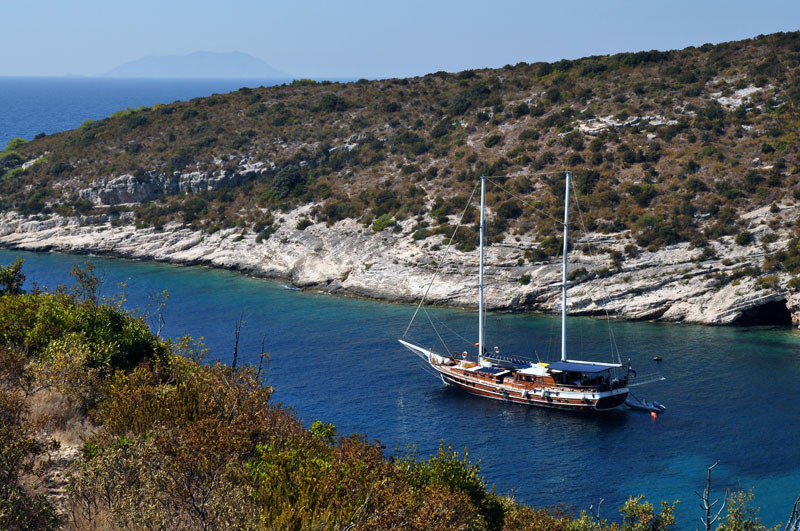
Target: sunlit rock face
677 283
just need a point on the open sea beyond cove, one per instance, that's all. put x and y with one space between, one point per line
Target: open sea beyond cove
731 393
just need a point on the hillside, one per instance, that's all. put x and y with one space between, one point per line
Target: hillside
694 150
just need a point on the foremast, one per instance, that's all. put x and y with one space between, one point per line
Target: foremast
480 273
564 273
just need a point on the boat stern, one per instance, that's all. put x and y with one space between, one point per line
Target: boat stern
611 400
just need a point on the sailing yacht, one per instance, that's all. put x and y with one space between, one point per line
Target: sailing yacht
564 384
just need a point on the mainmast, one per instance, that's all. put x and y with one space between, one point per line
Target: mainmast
480 274
563 273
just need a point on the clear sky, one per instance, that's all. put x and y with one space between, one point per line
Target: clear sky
369 38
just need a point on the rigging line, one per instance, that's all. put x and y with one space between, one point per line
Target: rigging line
512 194
603 299
446 349
442 323
441 261
425 367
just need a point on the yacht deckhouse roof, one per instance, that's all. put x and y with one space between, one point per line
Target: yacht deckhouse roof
580 366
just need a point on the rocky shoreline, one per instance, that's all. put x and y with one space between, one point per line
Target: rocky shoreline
675 284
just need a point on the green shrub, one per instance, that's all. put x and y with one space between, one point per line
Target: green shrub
441 128
509 210
768 282
59 168
653 232
193 209
522 110
287 181
743 238
493 140
769 237
15 143
188 114
420 234
550 246
265 233
642 194
631 250
12 278
575 274
331 102
382 222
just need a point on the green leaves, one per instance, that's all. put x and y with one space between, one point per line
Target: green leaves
331 103
639 515
11 278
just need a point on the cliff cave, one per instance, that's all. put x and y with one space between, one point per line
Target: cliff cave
774 313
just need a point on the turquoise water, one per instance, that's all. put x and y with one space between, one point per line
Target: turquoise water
732 393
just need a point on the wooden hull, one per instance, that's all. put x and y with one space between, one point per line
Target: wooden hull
576 400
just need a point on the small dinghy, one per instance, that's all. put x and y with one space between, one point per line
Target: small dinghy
642 404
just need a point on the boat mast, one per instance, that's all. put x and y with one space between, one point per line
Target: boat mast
480 273
564 274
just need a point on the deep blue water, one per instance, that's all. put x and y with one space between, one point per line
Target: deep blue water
732 393
32 105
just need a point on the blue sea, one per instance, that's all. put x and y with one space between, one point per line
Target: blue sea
732 393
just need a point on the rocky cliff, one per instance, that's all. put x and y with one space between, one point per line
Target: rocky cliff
713 285
152 186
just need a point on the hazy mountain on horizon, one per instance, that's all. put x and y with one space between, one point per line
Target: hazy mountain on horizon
198 65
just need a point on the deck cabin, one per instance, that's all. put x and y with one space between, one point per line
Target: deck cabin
583 374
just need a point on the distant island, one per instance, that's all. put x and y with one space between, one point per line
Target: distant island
199 65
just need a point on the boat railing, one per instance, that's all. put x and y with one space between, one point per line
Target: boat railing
559 387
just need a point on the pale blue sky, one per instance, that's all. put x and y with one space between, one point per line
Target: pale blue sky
352 38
